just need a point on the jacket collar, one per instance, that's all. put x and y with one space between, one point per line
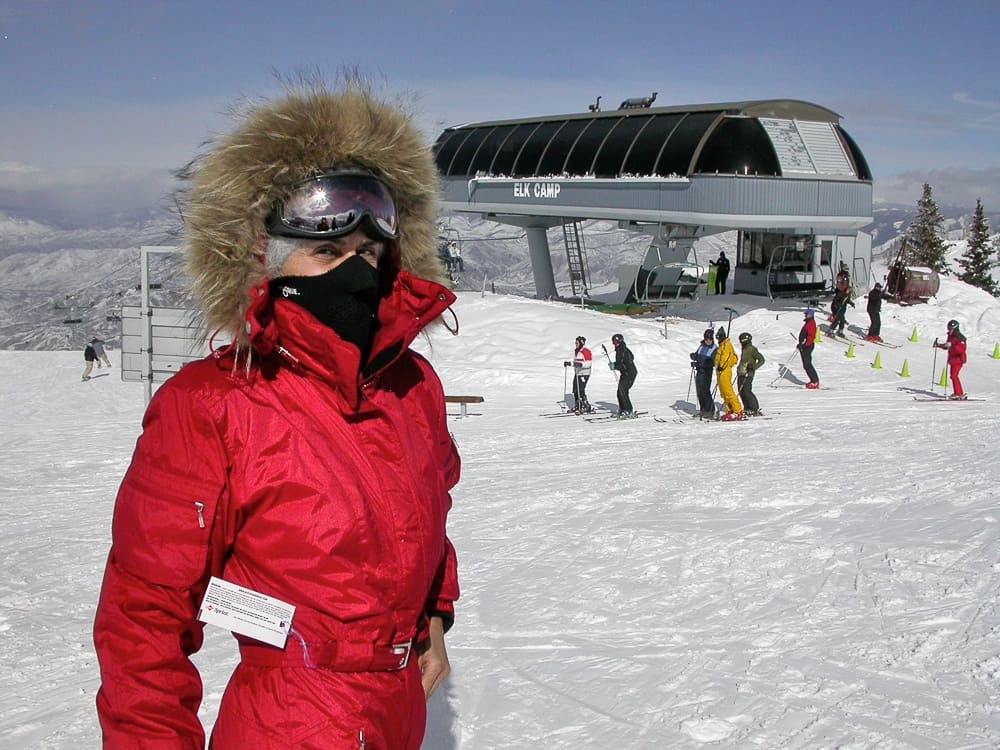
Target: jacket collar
277 327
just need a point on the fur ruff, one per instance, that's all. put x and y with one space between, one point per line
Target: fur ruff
235 184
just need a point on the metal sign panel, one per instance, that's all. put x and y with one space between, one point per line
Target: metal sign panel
158 341
176 337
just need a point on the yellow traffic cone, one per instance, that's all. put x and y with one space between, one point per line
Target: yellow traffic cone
850 351
905 372
996 352
944 378
913 336
877 364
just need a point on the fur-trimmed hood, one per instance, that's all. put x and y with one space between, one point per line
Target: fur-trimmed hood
279 143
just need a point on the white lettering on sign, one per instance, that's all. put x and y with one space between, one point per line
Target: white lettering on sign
537 189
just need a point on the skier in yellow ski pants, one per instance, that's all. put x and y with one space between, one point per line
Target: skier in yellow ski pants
725 361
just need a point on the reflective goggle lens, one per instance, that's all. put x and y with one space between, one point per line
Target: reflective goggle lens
335 205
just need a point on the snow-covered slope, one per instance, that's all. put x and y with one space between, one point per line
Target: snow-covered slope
826 578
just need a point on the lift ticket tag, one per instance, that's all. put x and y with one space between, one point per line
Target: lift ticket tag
246 612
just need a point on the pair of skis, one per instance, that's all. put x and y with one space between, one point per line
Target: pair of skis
944 399
695 419
613 417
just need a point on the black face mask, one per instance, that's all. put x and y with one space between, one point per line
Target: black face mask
345 299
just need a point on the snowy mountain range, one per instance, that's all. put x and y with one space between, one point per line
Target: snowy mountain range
60 287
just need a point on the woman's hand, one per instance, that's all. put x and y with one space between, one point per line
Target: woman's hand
433 661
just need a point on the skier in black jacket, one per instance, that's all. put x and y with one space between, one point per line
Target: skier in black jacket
721 272
625 365
875 313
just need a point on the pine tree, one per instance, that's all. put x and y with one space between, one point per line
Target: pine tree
977 259
925 234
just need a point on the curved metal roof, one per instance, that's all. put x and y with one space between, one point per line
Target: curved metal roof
775 137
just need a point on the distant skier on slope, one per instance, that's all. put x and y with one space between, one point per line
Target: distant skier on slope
581 364
955 345
703 362
750 361
725 361
807 342
625 365
875 314
838 308
102 356
89 357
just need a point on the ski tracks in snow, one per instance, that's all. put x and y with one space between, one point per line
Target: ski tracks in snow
687 611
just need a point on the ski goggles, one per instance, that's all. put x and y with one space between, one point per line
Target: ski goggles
334 205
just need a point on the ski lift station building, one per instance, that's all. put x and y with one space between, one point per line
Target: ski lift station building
782 173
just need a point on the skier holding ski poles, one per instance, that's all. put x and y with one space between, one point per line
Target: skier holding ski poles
581 364
838 308
807 342
875 313
955 345
725 361
624 364
750 361
703 363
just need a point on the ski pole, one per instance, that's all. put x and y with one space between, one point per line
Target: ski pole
690 380
729 323
934 366
783 368
609 360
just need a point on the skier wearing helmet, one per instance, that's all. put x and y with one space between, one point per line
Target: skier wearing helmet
308 461
581 364
625 365
807 342
955 344
703 362
725 361
875 313
751 360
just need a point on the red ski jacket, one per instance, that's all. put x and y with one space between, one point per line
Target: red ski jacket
807 334
300 480
956 348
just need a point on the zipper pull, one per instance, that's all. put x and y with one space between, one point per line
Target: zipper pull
199 507
361 739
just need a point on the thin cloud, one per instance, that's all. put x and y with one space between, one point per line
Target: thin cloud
959 188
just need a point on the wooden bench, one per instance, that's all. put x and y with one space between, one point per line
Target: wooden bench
464 401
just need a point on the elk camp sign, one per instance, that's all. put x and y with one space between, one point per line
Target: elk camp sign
526 189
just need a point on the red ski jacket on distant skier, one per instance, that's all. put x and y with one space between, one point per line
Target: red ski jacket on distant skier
956 348
807 334
234 477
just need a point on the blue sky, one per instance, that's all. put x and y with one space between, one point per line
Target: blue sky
103 98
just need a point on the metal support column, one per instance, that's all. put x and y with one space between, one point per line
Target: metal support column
541 262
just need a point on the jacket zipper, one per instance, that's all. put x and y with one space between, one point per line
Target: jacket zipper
199 507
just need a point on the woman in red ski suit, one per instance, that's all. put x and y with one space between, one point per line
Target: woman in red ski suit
309 461
955 344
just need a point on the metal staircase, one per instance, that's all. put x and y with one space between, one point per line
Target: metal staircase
576 258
